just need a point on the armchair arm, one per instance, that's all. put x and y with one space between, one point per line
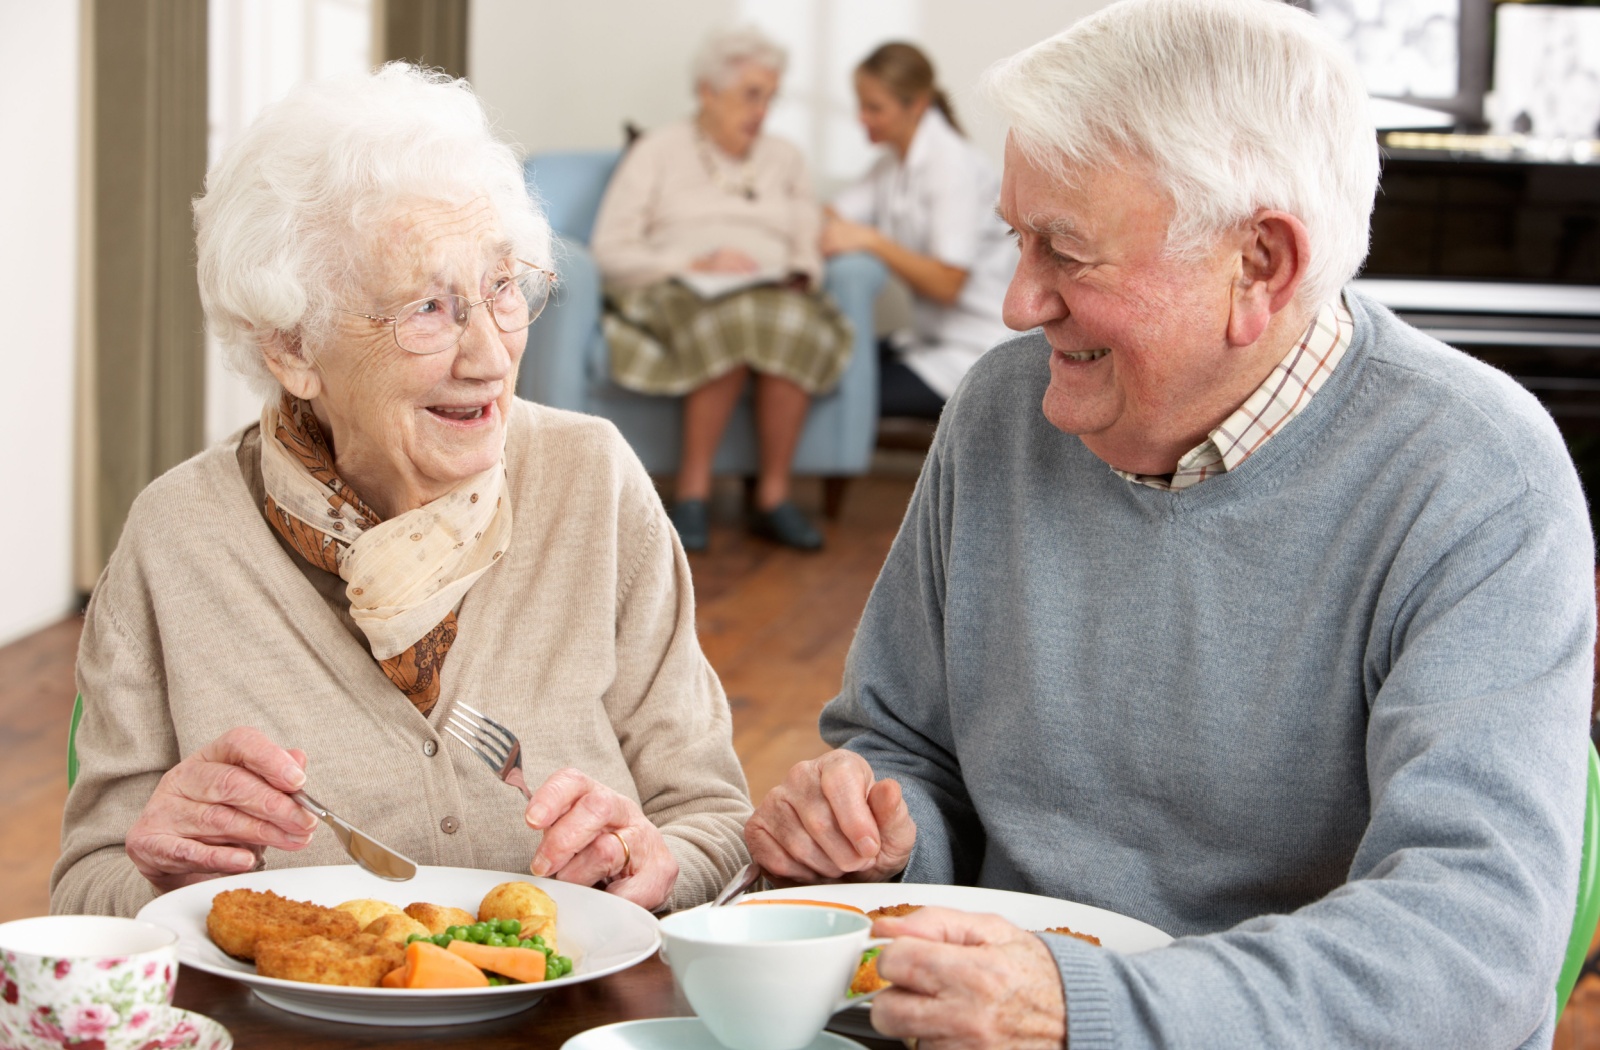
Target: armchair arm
555 365
854 281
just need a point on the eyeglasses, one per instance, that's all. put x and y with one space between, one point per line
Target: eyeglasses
437 323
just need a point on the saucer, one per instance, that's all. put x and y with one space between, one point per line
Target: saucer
168 1027
675 1033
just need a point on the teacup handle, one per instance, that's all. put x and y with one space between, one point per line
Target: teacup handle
845 1004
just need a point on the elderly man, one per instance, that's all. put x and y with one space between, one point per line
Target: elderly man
1273 629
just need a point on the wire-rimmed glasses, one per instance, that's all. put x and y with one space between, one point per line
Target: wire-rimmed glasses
436 323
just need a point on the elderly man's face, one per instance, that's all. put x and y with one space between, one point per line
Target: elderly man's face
1141 368
406 428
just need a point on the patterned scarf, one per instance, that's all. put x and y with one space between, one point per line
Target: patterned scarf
405 576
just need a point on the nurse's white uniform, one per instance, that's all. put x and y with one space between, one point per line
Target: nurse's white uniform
940 202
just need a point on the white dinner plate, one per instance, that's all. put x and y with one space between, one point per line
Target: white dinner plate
676 1033
1029 911
600 932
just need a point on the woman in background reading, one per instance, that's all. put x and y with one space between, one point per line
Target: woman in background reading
707 239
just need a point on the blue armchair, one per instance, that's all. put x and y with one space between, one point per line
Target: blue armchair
567 360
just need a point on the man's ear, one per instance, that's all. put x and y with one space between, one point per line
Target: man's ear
1274 253
290 366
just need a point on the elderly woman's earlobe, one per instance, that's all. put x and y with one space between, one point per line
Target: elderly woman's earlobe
294 370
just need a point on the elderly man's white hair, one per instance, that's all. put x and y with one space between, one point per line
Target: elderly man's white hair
722 52
1235 105
294 207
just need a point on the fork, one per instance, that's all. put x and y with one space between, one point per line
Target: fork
490 741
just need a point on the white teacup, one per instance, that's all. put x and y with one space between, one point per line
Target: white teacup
765 978
68 979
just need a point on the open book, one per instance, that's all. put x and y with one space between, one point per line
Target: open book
716 285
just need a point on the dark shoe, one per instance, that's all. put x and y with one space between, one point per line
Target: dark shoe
692 519
788 525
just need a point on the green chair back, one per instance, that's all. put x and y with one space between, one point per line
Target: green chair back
72 740
1587 915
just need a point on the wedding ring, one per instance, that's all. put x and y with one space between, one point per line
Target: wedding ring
627 855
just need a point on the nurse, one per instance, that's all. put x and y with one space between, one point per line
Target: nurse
926 208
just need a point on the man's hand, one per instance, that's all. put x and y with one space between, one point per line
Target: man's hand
965 981
217 811
829 821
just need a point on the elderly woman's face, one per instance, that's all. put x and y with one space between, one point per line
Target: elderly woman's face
406 428
732 115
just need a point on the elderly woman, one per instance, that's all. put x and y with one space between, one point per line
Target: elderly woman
707 239
306 602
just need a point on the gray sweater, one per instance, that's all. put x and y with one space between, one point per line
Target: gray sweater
1322 717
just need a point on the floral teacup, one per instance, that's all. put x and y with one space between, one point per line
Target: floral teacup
89 982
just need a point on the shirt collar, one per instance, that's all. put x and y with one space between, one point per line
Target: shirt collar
1284 394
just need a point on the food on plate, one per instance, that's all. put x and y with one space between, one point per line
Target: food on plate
301 941
438 918
358 961
526 903
396 926
426 965
520 964
866 979
366 910
241 920
1066 931
892 911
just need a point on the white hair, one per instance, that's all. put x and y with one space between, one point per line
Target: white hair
722 52
1233 105
293 206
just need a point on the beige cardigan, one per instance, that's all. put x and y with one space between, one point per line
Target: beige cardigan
581 640
663 209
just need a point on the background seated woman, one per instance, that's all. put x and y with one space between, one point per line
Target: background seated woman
305 602
927 210
714 196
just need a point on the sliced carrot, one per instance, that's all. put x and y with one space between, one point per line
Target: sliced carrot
429 966
819 904
519 964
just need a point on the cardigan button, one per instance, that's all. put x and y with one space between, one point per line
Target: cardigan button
430 748
449 825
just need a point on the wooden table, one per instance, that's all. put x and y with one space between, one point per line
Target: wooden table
642 991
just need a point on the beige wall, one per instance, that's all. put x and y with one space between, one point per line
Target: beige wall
39 110
561 75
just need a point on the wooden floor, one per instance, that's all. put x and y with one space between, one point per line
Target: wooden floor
775 624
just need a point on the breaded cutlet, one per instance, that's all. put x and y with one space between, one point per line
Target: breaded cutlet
358 962
242 920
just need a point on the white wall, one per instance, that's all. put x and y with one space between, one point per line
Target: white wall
561 75
39 191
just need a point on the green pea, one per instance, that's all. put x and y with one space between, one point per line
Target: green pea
525 943
458 933
478 931
496 940
416 937
441 939
511 926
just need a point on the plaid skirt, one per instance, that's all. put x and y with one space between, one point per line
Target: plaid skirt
665 339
